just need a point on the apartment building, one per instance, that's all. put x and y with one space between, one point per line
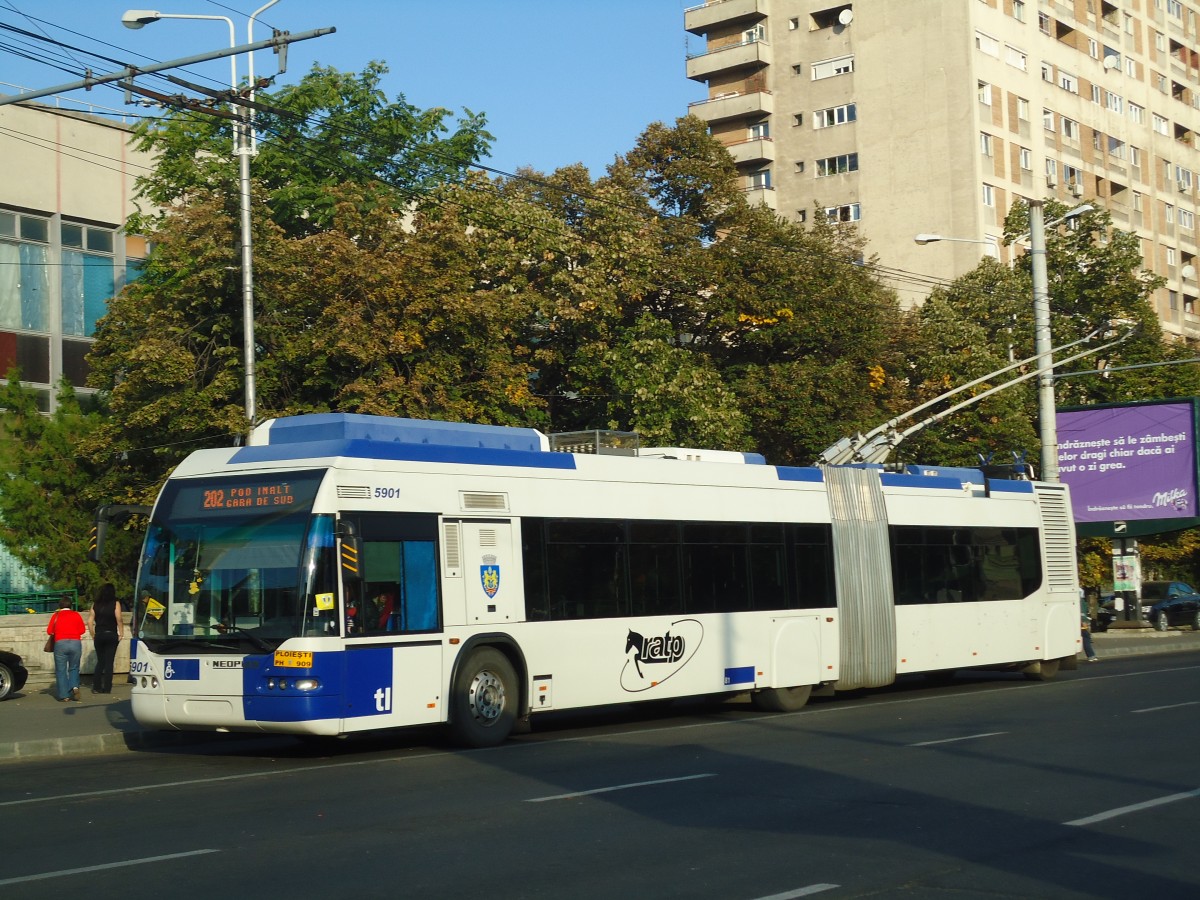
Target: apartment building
63 249
935 116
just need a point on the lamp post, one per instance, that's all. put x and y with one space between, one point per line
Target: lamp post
139 18
923 239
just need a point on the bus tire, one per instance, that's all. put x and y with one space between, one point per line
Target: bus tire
781 699
484 699
1046 670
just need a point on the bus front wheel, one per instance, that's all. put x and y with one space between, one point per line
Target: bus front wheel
484 698
781 699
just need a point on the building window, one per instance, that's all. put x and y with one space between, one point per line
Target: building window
989 195
1187 220
1051 172
1135 156
1137 202
1114 102
985 43
849 212
1026 158
1183 178
1068 82
799 167
1047 73
24 275
1022 109
1160 41
1070 129
985 143
1160 124
760 130
760 180
1093 48
798 118
1073 176
1018 10
985 93
1175 9
839 115
829 68
1116 148
1170 256
1044 25
837 165
1048 119
1137 114
1016 58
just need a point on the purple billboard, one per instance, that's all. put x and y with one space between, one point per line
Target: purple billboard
1129 463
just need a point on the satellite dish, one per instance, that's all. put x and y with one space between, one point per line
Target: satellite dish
1189 272
846 16
1111 62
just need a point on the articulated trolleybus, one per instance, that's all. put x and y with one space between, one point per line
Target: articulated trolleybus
342 573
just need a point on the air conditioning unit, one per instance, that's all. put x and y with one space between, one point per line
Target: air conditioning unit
1182 186
1076 190
1050 182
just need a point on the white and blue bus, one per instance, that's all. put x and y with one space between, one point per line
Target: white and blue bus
341 573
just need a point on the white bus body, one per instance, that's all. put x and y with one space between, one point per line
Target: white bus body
344 573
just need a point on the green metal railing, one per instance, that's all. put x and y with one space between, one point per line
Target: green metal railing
35 602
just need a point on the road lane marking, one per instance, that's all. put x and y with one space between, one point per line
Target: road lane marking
1171 706
100 868
801 892
750 721
1136 807
969 737
618 787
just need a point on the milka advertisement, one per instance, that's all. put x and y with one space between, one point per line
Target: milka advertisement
1129 463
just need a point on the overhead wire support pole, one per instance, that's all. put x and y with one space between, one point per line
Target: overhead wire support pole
279 40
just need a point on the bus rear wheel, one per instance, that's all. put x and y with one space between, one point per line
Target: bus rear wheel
781 699
483 701
1044 671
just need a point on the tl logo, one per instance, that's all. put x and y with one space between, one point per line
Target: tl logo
489 576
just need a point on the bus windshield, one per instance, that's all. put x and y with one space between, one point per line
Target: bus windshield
237 563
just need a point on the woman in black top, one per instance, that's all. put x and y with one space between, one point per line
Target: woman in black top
104 622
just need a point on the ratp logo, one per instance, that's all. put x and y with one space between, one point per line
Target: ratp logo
661 655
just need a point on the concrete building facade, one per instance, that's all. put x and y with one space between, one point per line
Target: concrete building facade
64 252
935 116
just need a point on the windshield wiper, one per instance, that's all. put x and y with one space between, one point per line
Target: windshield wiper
250 636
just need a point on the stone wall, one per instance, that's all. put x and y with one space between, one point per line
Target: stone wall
25 635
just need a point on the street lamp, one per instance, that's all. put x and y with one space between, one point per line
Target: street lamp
1043 345
924 239
139 18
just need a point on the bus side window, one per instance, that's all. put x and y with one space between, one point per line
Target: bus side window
400 574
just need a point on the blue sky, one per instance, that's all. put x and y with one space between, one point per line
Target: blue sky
560 81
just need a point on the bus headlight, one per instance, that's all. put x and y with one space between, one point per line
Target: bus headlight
306 684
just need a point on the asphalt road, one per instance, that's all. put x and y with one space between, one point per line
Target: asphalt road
990 786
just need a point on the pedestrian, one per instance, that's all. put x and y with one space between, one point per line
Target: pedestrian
67 628
104 623
1085 629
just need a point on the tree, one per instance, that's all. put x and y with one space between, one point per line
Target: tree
328 129
50 491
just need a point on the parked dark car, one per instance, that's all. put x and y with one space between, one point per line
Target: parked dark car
1105 616
1167 603
12 674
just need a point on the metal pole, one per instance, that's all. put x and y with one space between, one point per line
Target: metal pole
247 274
1043 345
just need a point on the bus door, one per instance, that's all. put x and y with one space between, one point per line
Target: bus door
487 573
393 623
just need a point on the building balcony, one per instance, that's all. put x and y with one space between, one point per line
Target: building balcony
733 106
701 19
755 150
752 54
761 196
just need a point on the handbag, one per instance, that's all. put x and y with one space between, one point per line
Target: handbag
49 648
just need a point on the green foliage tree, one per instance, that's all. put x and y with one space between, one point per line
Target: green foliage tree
51 490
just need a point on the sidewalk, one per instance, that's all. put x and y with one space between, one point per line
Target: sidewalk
33 725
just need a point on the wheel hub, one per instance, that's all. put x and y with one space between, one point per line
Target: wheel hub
487 698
